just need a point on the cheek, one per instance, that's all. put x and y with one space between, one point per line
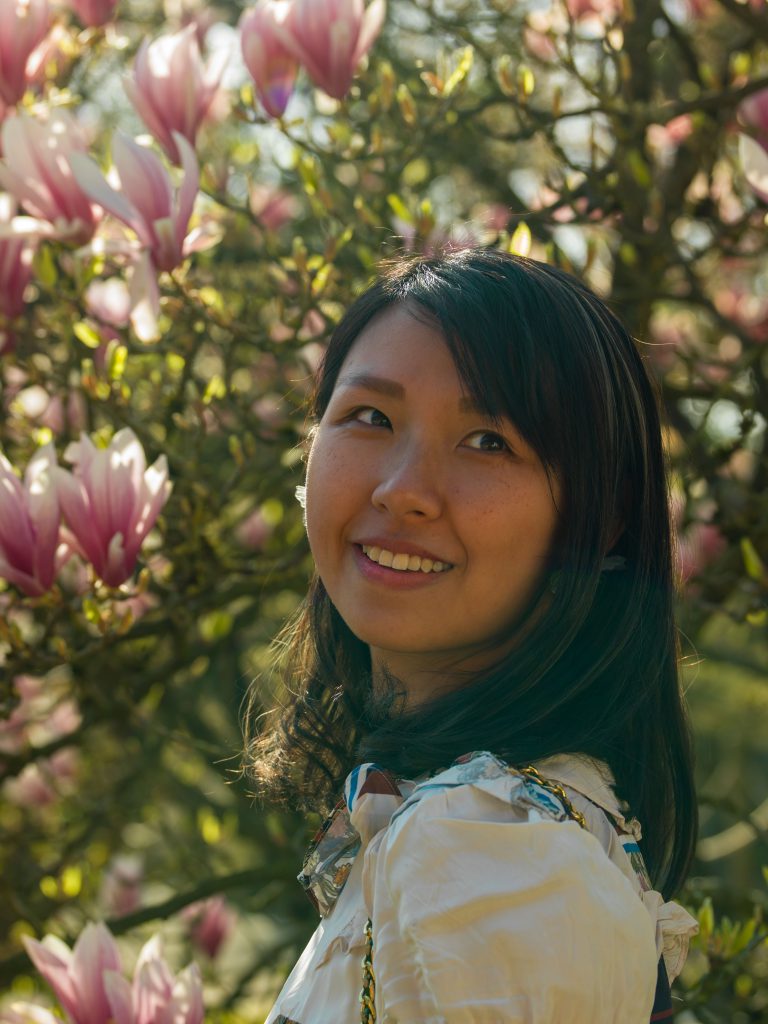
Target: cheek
330 483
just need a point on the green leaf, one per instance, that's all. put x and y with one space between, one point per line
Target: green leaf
752 561
706 918
520 242
272 511
216 388
639 169
45 267
399 208
216 625
461 71
526 81
84 332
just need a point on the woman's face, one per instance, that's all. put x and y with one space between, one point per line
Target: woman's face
429 524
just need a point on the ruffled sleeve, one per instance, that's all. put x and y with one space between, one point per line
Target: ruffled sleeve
488 910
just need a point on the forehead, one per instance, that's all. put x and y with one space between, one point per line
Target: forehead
402 343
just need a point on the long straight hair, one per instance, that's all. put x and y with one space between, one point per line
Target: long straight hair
595 670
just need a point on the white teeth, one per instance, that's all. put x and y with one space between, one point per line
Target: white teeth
403 562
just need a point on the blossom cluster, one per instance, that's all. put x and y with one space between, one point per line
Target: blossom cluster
328 38
90 985
54 189
102 510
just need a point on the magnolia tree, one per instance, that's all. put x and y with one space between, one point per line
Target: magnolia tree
191 196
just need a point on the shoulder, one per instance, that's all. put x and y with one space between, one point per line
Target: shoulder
481 823
482 867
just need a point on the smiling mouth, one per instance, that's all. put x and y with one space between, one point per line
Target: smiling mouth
403 562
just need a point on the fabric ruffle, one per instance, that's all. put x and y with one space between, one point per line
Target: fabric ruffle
674 929
374 798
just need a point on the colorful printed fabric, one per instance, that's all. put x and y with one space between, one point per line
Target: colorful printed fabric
333 849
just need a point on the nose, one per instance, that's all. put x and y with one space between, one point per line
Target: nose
409 484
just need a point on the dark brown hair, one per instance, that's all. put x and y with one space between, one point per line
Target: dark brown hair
596 672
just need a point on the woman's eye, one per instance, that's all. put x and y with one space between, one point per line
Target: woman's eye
487 441
371 416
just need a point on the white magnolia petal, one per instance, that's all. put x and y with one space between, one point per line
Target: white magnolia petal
145 300
754 162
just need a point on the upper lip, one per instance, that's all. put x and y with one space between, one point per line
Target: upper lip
401 547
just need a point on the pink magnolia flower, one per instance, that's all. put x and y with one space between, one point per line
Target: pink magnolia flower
29 523
272 206
36 170
42 783
23 26
754 162
254 531
109 301
211 922
331 37
15 264
121 886
602 9
94 12
271 66
77 976
42 714
172 90
753 111
89 984
156 996
111 501
701 544
147 202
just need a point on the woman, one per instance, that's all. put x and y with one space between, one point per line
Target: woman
487 654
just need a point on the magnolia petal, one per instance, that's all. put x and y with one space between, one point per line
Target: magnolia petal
341 62
119 997
93 183
156 491
166 254
116 567
26 583
373 21
190 186
98 497
17 538
754 162
95 952
203 237
145 300
44 511
188 996
54 961
144 181
146 111
76 508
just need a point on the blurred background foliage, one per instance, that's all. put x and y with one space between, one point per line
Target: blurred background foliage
600 136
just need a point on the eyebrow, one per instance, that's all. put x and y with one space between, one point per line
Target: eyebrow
393 389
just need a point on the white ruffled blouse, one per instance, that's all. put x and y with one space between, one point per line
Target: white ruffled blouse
488 904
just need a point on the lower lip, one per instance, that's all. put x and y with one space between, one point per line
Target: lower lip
400 579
